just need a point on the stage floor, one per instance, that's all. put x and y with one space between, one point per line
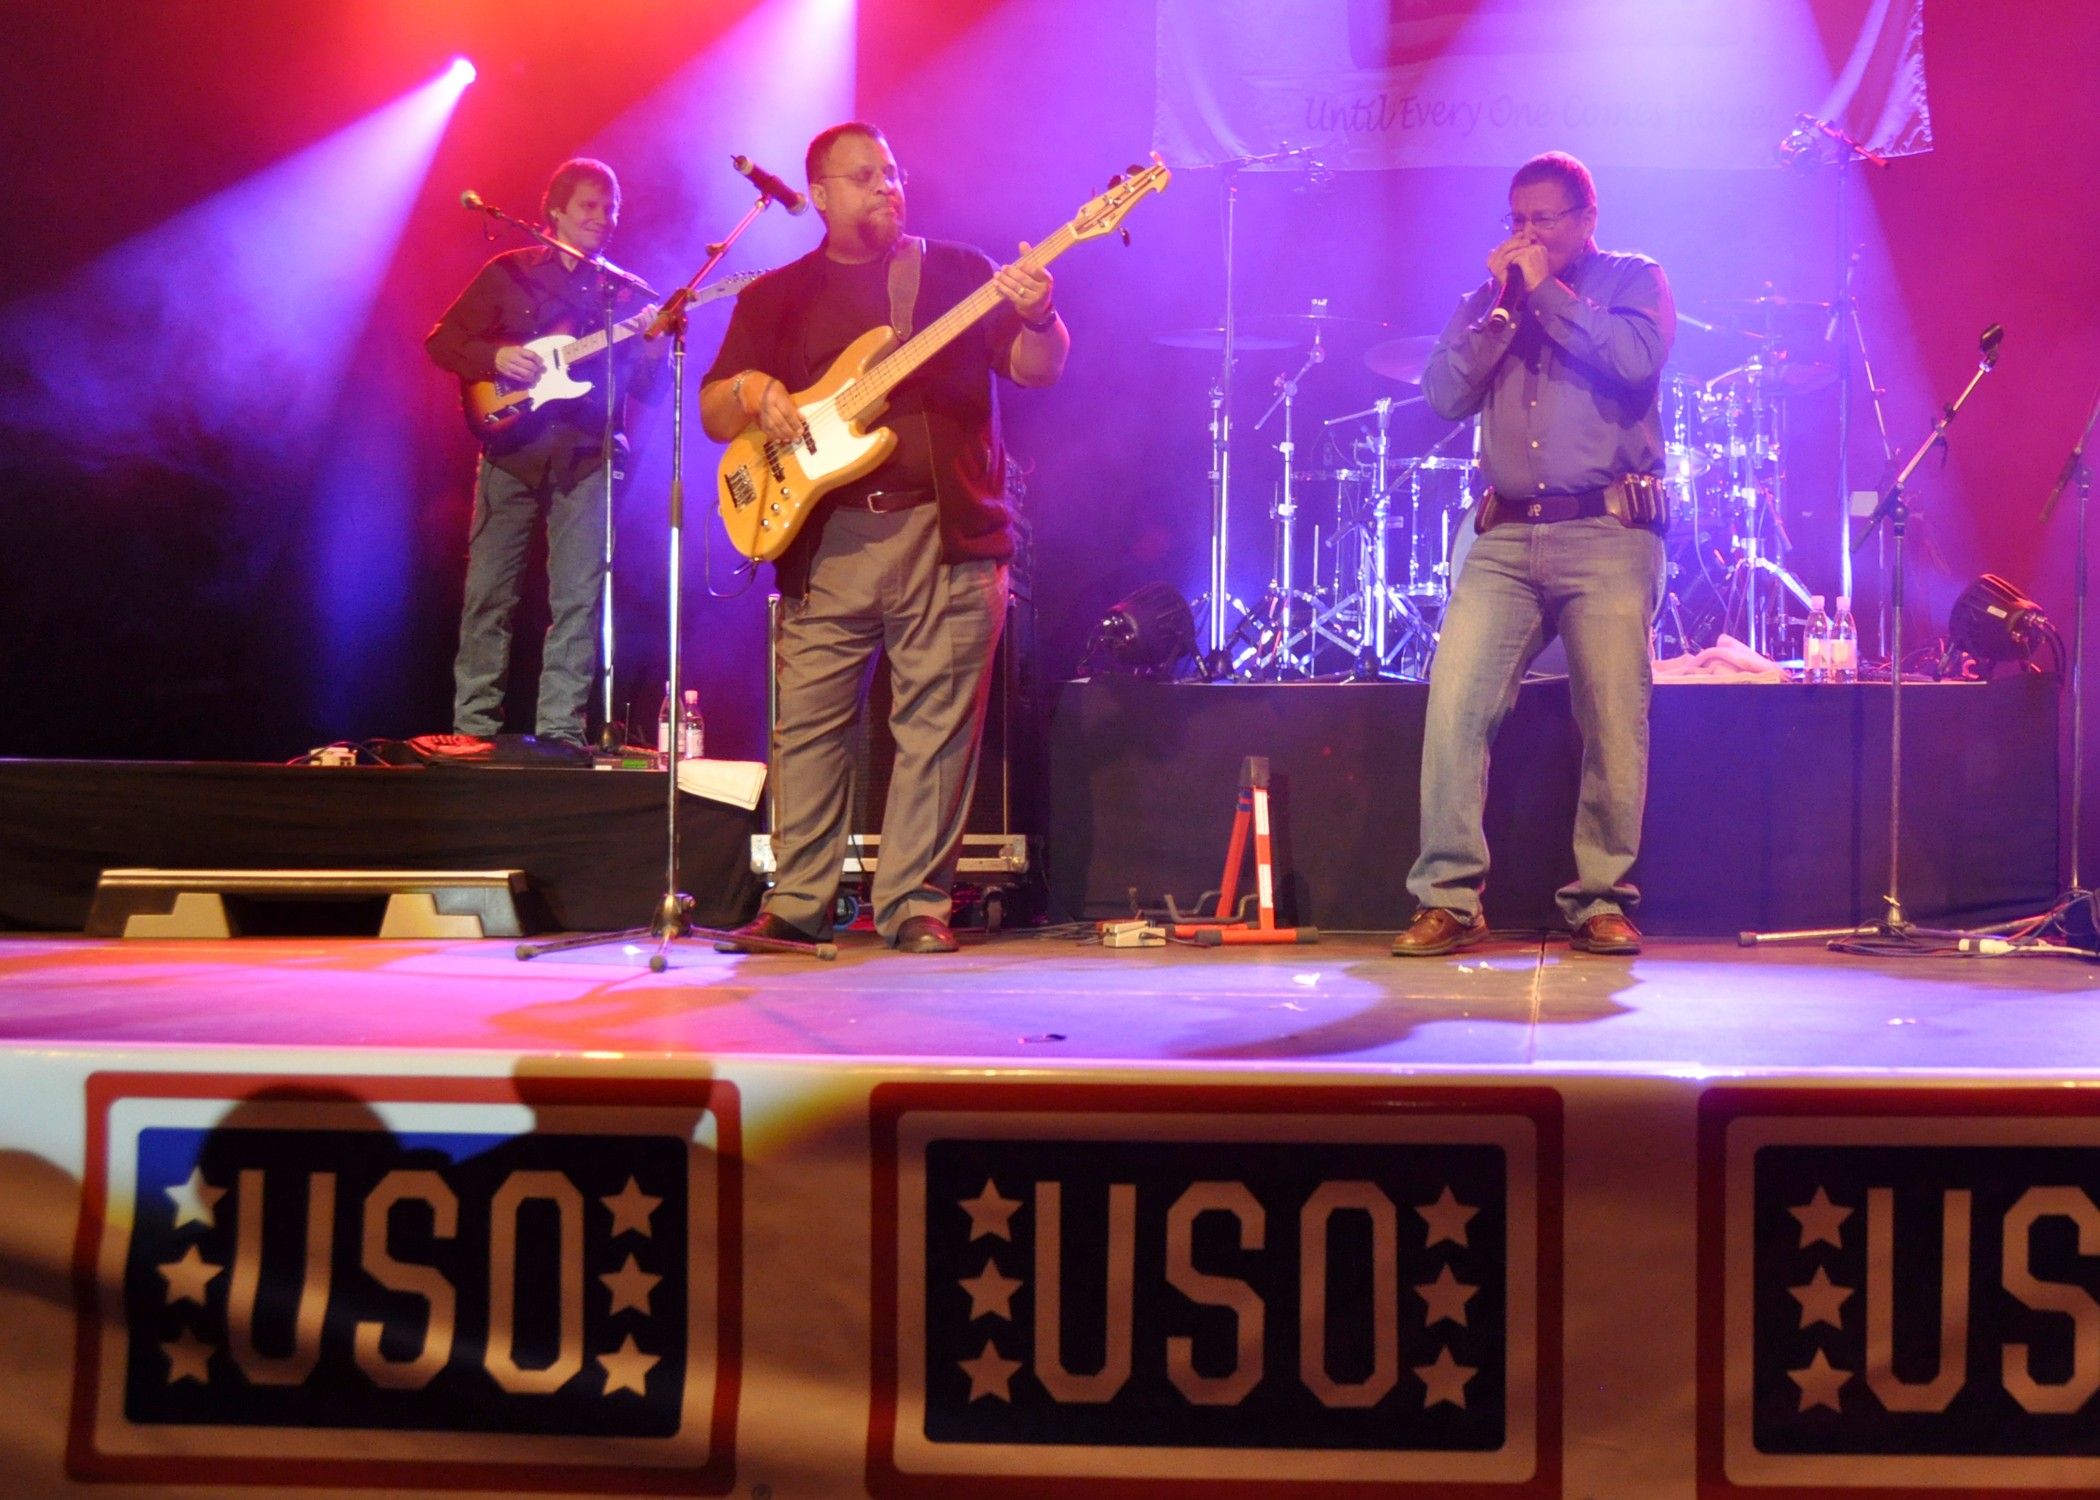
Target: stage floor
1259 1223
1514 1003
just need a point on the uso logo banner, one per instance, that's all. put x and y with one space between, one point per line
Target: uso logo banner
1900 1291
1112 1291
457 1283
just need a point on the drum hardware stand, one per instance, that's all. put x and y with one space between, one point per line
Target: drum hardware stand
1219 594
1895 933
671 921
1277 603
1814 143
1375 600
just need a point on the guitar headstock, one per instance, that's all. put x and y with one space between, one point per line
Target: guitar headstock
1103 214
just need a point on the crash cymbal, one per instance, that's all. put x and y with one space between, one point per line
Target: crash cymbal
1777 376
1402 359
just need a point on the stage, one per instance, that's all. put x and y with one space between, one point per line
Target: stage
1281 1222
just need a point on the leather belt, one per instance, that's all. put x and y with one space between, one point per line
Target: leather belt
1542 510
882 502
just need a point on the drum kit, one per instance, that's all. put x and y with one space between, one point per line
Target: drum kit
1368 535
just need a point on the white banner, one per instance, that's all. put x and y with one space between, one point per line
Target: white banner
1433 83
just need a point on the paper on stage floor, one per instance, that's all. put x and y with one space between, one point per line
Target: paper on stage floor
738 782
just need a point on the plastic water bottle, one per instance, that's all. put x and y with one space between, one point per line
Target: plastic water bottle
1844 644
692 729
1815 642
663 724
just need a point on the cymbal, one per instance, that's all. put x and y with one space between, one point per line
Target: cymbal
1779 376
1760 303
1327 327
1402 359
1212 340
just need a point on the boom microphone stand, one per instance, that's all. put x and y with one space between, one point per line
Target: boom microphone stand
671 921
1894 932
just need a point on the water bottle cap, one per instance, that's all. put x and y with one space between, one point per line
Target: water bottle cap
1844 603
1815 601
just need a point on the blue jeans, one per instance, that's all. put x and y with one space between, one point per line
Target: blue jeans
506 509
1596 584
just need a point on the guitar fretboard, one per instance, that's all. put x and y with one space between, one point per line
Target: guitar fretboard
873 388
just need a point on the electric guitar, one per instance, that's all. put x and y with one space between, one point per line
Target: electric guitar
493 406
768 489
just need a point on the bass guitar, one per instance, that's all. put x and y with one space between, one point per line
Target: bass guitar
768 489
493 406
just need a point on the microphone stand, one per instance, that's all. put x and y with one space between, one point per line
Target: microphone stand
671 920
608 275
1894 931
2076 470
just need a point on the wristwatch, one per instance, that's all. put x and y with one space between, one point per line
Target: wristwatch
1041 325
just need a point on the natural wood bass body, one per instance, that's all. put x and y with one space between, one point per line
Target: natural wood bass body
768 488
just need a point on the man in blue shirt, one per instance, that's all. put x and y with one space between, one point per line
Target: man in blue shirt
1560 354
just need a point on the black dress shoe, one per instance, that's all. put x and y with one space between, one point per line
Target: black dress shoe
1436 931
925 935
764 925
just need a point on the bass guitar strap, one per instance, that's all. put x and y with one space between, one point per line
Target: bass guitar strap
905 262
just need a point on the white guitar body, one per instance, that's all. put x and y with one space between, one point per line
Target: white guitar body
555 382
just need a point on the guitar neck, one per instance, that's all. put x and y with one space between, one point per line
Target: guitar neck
592 343
888 373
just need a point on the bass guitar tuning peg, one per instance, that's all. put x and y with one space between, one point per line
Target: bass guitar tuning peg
1116 181
1126 239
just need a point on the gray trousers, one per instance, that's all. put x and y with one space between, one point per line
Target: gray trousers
877 581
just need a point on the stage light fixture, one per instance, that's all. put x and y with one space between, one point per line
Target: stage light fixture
461 72
1994 622
1148 633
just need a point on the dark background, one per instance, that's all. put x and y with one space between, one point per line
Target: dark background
191 568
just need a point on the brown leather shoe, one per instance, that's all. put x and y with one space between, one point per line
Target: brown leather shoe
1606 932
764 925
1436 931
924 935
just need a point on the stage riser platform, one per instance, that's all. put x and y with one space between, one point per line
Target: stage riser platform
591 843
1767 803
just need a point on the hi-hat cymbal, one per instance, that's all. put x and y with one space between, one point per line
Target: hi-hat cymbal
1402 359
1212 340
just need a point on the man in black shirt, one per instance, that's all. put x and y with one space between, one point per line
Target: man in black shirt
910 559
548 465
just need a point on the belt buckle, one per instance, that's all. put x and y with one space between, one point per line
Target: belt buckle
1535 510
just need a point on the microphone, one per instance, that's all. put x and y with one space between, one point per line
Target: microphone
473 200
1504 313
771 186
1993 336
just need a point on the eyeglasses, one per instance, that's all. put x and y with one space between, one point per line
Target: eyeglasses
1543 222
867 177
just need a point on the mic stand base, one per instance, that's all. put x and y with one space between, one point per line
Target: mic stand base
671 925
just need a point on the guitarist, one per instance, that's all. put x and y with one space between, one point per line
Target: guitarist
546 469
911 559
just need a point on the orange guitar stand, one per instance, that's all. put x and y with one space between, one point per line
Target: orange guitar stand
1225 927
